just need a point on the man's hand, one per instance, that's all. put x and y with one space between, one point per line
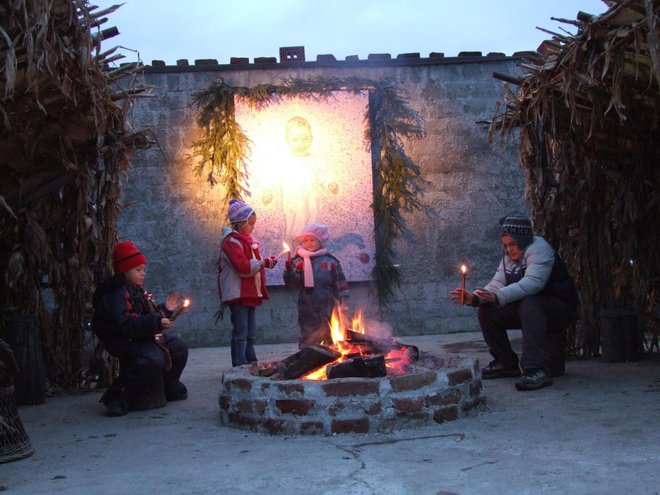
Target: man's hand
485 295
455 296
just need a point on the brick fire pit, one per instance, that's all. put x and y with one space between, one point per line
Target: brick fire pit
432 390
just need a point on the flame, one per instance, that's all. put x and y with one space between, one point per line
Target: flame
336 328
338 333
357 323
395 360
463 269
186 303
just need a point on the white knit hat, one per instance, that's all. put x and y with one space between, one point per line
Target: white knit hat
316 230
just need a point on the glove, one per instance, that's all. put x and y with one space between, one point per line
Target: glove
270 262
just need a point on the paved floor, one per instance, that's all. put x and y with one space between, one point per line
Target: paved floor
595 431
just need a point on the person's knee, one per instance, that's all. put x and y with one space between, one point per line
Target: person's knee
145 366
530 304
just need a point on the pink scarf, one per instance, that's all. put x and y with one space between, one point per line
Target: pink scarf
307 263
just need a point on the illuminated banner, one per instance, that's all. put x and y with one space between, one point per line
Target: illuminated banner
309 164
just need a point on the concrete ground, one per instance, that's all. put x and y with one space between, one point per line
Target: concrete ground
595 431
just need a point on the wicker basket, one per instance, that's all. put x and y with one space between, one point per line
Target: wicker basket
14 441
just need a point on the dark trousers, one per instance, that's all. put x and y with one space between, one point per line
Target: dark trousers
543 320
141 360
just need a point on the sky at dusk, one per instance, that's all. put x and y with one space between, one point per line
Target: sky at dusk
220 29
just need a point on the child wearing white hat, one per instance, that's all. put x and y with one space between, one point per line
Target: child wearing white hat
321 282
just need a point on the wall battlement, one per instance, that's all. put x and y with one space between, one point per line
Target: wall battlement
329 60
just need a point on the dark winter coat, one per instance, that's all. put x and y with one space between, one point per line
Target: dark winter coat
125 313
315 304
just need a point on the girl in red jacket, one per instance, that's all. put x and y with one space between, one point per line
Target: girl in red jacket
242 279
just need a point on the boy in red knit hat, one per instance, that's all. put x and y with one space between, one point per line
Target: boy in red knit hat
131 327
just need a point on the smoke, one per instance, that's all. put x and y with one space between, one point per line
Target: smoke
378 330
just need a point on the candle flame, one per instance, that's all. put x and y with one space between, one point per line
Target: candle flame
186 303
286 249
463 268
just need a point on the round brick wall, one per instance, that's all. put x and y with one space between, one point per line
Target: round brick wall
432 390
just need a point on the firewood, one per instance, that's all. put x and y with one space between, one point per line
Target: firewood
306 360
367 367
381 346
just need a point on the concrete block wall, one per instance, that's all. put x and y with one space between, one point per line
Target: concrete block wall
176 217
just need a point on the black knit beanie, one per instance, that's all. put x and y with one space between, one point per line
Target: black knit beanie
517 226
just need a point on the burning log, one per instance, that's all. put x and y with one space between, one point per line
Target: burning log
367 367
306 360
381 346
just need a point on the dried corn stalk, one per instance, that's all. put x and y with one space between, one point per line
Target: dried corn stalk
588 121
64 144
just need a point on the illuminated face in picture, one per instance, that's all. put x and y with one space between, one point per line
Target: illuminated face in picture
298 135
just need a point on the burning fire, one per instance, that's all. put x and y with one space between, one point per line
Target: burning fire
395 359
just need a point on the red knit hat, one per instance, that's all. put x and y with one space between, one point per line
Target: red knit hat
125 256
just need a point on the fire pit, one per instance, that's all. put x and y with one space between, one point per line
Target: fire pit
411 394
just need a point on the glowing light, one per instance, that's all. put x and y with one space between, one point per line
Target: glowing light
357 323
336 330
287 249
182 308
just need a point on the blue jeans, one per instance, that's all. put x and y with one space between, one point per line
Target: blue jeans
243 334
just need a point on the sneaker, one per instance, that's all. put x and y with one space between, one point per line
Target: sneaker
497 370
534 380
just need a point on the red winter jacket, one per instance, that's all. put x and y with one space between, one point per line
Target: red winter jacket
241 277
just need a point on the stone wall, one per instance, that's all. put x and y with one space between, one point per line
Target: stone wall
176 217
